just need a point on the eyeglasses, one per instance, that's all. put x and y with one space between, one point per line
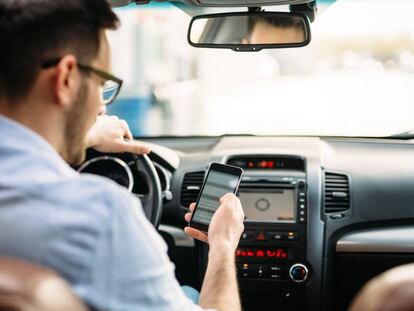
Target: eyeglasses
111 87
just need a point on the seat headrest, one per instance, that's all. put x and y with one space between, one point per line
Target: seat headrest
29 287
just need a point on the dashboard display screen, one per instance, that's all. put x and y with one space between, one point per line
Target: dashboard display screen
270 206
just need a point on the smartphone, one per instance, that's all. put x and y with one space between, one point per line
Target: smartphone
221 179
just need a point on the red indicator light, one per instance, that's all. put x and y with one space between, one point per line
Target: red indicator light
250 164
271 164
270 253
260 253
263 164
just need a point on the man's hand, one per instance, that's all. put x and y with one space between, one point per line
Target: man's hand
220 290
111 134
226 225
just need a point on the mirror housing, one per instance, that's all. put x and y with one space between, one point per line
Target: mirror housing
250 31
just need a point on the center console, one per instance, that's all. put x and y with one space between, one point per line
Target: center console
271 257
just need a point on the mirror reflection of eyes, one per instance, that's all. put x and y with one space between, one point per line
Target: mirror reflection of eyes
270 32
250 29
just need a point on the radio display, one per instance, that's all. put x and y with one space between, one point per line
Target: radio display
278 253
276 205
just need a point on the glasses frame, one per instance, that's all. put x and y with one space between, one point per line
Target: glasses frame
102 74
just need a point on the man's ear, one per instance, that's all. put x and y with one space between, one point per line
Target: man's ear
67 81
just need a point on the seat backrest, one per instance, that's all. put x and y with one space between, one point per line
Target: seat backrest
391 291
29 287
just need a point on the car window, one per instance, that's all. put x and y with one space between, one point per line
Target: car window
354 79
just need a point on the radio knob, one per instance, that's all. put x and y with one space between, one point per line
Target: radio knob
298 273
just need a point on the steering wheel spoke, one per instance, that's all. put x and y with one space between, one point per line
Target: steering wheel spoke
152 202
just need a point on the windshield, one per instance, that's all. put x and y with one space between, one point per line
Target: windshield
355 78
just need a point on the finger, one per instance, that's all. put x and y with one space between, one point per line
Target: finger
196 234
134 147
187 217
227 197
192 207
127 131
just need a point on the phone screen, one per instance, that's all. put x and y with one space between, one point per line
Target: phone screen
217 184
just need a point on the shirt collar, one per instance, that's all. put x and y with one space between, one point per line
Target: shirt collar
22 140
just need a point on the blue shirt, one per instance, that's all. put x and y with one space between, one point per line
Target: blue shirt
87 228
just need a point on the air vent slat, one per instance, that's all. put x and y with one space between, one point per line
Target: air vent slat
191 187
336 193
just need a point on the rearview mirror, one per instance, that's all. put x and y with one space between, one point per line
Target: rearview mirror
247 31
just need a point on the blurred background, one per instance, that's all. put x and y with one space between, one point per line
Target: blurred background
356 78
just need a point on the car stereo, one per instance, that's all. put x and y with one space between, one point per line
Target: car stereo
271 257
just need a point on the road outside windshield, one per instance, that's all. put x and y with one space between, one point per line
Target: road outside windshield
355 79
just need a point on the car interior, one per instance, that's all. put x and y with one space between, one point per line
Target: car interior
328 181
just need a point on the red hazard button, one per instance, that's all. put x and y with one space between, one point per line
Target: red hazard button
261 236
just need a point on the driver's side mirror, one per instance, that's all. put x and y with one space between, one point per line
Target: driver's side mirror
250 31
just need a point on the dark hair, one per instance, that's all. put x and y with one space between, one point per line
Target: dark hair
34 31
282 22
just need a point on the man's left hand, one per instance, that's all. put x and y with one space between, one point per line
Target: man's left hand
112 135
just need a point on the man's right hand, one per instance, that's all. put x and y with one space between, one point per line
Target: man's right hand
226 225
220 290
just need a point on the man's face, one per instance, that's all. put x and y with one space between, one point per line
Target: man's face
265 33
87 107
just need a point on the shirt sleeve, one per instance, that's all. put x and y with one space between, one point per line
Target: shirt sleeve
131 270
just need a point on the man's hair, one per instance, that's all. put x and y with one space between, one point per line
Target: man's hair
284 22
35 31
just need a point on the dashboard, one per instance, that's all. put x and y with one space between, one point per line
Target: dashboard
323 215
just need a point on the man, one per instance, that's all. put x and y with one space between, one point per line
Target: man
270 30
54 65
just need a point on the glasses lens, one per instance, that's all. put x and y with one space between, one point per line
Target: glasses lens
109 91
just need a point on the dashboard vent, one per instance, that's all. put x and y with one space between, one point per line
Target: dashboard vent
336 193
191 187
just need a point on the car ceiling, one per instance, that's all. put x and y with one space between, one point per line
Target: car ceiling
197 7
222 3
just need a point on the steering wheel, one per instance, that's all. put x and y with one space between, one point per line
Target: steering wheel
151 202
124 169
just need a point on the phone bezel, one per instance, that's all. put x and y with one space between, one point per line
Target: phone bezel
218 167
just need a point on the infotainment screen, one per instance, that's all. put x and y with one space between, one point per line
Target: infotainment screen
270 206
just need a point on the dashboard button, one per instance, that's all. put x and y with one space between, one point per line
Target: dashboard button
298 273
261 236
247 235
276 276
276 269
292 236
262 271
277 236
